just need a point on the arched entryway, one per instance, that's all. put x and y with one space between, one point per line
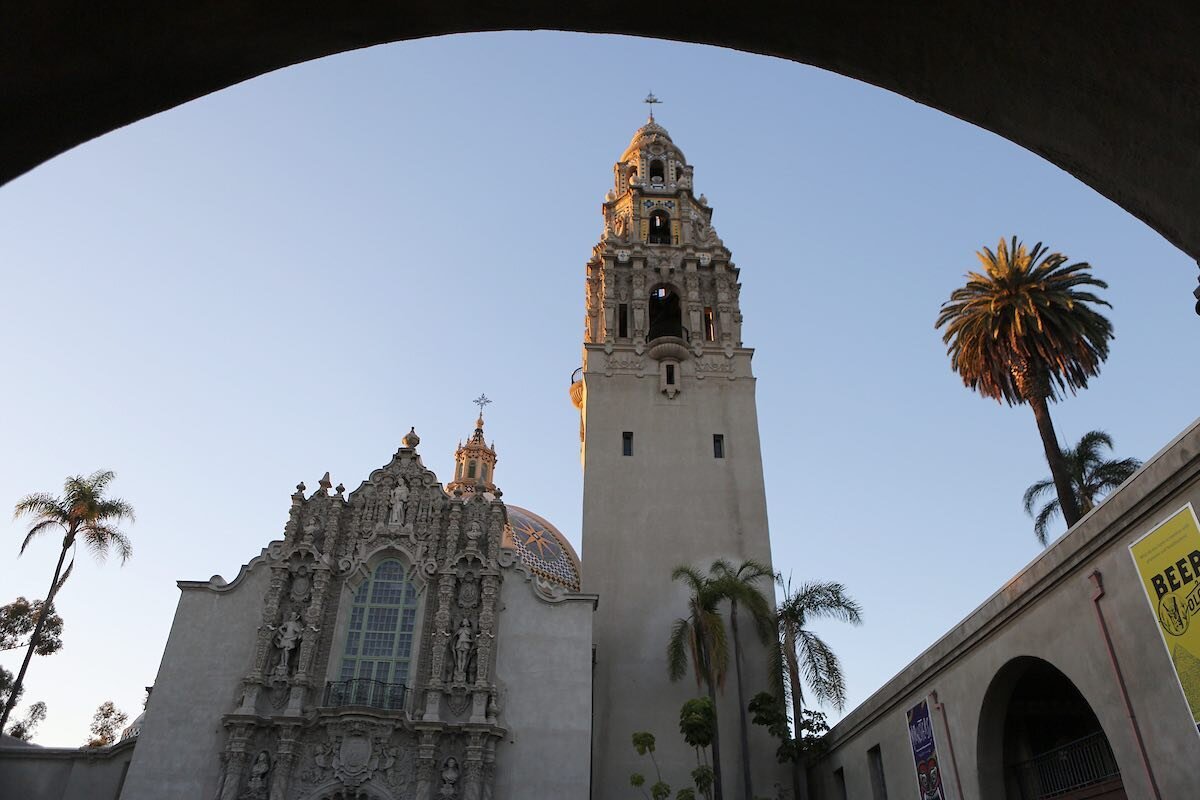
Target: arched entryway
1039 739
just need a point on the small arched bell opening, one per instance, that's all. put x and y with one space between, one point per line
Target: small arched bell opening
1039 738
658 172
660 228
665 315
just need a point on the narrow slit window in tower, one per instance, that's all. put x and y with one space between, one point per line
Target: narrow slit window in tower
718 445
660 228
623 320
627 443
710 325
670 374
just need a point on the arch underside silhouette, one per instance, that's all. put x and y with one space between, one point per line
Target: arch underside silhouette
1106 95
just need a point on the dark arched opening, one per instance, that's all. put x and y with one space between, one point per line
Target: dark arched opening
660 228
658 173
665 316
1039 739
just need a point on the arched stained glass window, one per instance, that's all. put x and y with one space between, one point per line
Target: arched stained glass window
383 620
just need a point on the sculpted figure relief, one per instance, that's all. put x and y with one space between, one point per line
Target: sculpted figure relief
256 784
287 639
450 775
464 639
399 501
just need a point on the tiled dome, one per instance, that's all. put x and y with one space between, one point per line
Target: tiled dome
542 548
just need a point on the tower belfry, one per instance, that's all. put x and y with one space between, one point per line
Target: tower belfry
671 457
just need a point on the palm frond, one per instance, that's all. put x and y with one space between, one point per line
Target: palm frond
1048 512
677 649
38 528
1035 493
717 648
821 669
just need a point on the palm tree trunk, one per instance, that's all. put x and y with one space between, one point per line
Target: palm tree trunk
716 741
33 640
793 668
747 781
1054 457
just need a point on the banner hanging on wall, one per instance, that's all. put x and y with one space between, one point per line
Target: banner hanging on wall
1168 561
924 748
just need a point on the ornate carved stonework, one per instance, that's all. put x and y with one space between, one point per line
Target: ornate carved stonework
287 737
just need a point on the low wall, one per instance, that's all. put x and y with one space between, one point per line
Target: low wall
64 773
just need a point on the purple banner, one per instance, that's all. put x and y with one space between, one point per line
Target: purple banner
924 748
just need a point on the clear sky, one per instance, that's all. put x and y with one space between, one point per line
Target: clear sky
281 278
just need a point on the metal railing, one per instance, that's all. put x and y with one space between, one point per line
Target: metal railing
364 692
1080 763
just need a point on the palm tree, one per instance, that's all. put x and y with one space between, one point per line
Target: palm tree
805 655
1024 332
82 512
699 639
740 585
1092 477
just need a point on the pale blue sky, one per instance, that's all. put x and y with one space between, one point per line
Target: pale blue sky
280 279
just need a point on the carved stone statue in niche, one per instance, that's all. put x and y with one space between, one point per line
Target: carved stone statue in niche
474 531
258 782
464 640
450 776
399 501
287 639
312 528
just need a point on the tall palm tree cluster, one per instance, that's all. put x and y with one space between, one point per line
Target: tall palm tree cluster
1025 331
798 655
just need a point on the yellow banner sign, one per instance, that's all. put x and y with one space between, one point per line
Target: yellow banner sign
1168 561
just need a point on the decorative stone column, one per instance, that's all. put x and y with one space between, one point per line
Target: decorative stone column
285 761
235 758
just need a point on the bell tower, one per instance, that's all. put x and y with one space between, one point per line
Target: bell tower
671 461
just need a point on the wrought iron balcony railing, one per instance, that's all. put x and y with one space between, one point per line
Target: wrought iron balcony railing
1080 763
364 692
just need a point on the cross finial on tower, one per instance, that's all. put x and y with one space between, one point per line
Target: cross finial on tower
481 401
651 101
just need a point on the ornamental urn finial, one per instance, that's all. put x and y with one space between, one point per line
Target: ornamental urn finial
411 440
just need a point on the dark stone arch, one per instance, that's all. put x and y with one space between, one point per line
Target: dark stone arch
1101 94
1036 729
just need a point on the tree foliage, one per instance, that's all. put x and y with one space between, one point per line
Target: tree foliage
1028 315
807 658
25 728
106 725
81 512
1025 331
17 621
1092 477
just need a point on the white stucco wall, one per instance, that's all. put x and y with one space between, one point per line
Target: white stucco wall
209 651
544 670
668 504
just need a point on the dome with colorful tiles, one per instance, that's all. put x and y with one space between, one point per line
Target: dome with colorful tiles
542 548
